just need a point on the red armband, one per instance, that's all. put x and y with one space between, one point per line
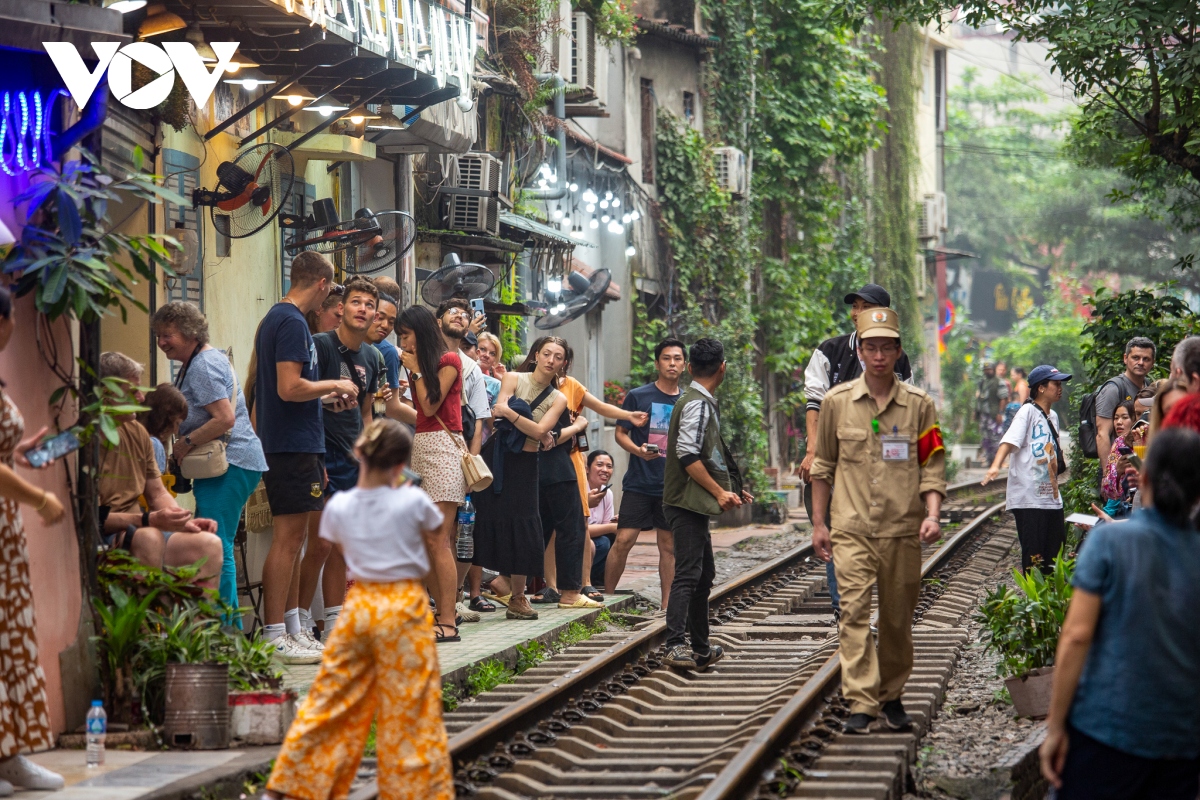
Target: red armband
930 443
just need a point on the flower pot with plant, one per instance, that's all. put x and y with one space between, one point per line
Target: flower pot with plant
1023 628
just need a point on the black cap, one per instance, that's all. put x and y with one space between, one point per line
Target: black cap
471 339
872 293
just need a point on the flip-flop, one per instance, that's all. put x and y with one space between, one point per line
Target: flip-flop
437 637
582 602
480 605
502 599
592 593
547 596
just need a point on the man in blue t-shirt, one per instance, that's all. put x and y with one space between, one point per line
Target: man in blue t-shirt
289 425
642 487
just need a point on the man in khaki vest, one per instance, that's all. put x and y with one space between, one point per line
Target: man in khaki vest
880 447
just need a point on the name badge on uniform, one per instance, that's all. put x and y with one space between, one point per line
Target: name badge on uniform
895 448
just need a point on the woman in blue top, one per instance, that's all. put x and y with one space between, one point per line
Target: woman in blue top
1124 717
207 381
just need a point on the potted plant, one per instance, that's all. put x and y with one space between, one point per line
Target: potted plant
196 685
118 644
260 711
1023 629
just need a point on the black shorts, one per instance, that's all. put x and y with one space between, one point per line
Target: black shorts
1096 771
294 482
642 511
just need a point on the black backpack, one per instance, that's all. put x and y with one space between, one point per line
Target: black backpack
1087 421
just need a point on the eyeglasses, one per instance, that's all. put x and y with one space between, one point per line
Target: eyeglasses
458 312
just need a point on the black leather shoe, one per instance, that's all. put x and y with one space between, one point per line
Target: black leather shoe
715 653
858 723
895 717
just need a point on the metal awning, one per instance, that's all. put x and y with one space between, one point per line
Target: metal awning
541 231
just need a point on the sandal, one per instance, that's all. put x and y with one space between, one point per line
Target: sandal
502 599
440 637
547 595
581 602
592 593
479 604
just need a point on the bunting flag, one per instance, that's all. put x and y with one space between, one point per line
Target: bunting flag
930 443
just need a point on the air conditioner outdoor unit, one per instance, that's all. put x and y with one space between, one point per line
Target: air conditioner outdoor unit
731 170
589 67
479 171
933 218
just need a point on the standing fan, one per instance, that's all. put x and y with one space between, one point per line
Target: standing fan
457 279
250 190
392 234
585 295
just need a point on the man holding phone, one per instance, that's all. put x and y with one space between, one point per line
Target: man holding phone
642 487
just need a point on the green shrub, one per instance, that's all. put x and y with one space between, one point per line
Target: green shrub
1023 628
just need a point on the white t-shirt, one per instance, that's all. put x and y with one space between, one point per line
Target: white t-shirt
380 531
474 388
603 511
1029 484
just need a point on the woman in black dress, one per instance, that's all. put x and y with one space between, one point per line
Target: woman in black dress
508 526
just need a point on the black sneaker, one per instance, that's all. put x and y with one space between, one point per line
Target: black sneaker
680 656
895 716
715 653
858 723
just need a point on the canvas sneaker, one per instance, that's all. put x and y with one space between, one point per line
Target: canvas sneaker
290 650
895 716
20 771
681 657
715 653
306 639
858 723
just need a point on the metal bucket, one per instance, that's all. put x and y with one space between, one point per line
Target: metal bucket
197 701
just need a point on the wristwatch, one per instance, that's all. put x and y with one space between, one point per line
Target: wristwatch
188 439
416 376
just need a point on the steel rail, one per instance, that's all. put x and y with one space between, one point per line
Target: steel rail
742 774
481 738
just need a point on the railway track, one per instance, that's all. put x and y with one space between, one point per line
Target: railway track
607 720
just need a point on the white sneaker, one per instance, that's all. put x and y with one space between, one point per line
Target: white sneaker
307 640
20 771
463 610
6 789
289 650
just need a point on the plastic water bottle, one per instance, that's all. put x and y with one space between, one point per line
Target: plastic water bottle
466 530
97 728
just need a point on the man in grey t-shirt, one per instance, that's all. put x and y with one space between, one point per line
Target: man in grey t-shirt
1139 360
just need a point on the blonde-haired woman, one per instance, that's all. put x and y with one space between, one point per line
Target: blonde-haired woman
491 361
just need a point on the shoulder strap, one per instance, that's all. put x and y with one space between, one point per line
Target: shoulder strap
344 353
1062 464
537 401
451 434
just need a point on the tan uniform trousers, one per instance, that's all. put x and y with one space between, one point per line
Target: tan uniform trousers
871 678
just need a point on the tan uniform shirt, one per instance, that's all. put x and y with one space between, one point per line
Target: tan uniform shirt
873 497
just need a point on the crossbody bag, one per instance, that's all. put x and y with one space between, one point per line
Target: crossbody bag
208 460
475 469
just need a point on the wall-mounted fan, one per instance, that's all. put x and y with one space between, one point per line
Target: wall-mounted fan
185 260
585 295
390 235
250 190
457 279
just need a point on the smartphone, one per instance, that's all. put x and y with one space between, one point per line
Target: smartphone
54 447
605 488
1132 456
477 305
411 477
651 448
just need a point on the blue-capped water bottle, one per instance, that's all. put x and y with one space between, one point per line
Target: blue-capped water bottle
466 531
97 729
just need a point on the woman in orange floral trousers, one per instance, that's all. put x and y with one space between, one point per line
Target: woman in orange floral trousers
381 657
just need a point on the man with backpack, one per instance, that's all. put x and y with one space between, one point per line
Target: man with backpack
1139 360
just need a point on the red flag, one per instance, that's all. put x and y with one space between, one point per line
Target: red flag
929 443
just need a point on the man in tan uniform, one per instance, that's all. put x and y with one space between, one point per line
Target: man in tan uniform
880 448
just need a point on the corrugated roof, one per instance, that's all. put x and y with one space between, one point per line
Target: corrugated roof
539 229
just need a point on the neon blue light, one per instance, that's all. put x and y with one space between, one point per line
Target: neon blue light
22 145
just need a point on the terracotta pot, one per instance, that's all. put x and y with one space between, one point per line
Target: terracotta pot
1031 692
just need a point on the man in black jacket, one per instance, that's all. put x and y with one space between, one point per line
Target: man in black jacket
836 361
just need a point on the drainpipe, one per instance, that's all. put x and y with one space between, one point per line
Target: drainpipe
560 169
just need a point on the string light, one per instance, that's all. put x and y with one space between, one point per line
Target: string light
558 212
616 203
615 227
634 215
630 251
22 144
604 204
591 208
574 187
554 285
594 223
605 219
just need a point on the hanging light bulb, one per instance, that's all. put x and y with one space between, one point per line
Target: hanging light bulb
554 285
558 213
616 202
604 204
595 223
387 121
196 37
630 251
608 195
545 170
615 227
542 183
589 196
591 208
625 218
635 215
574 187
605 219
